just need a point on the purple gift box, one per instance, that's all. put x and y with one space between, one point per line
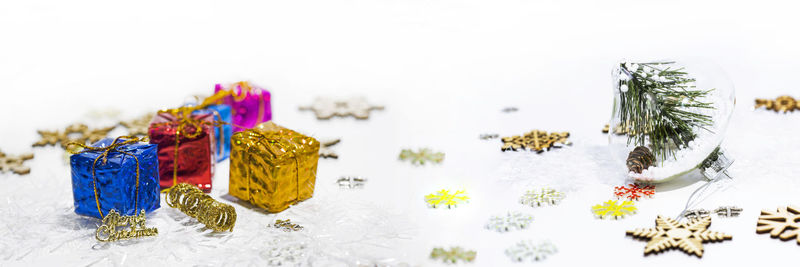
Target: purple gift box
250 105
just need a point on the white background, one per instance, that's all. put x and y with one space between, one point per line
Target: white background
444 70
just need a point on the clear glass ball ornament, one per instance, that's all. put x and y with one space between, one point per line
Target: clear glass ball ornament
678 110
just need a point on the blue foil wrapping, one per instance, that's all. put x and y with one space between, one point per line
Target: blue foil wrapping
116 180
223 133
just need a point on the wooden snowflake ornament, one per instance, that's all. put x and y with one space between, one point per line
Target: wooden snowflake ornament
610 209
78 133
326 108
670 233
784 223
325 150
15 164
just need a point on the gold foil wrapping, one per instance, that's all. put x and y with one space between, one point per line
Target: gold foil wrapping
273 167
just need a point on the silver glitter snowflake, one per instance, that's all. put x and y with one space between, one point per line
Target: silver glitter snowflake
489 136
543 196
286 254
529 250
286 225
512 221
696 214
728 211
351 182
510 109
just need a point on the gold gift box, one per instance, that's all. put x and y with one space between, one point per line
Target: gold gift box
273 167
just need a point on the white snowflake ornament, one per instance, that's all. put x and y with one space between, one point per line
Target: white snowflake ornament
512 221
537 198
531 251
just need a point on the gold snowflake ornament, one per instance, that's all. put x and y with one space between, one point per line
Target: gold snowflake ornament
446 199
535 140
688 237
785 223
610 209
781 104
422 156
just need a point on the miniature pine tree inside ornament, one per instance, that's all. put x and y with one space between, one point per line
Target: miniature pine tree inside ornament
676 113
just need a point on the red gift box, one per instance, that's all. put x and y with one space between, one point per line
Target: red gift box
185 147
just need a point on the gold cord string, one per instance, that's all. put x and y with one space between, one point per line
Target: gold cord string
113 147
192 201
296 163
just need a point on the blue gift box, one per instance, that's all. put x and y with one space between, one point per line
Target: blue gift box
115 179
222 133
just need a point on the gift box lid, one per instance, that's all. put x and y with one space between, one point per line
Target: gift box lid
283 143
133 148
171 121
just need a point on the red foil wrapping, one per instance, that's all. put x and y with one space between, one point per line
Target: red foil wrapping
195 157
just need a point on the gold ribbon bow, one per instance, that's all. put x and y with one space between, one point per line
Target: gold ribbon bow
113 147
183 116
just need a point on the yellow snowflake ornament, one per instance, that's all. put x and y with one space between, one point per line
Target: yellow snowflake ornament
610 209
453 255
447 199
688 237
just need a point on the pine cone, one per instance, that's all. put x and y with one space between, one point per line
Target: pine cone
640 159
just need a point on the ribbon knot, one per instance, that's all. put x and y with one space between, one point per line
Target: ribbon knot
183 115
